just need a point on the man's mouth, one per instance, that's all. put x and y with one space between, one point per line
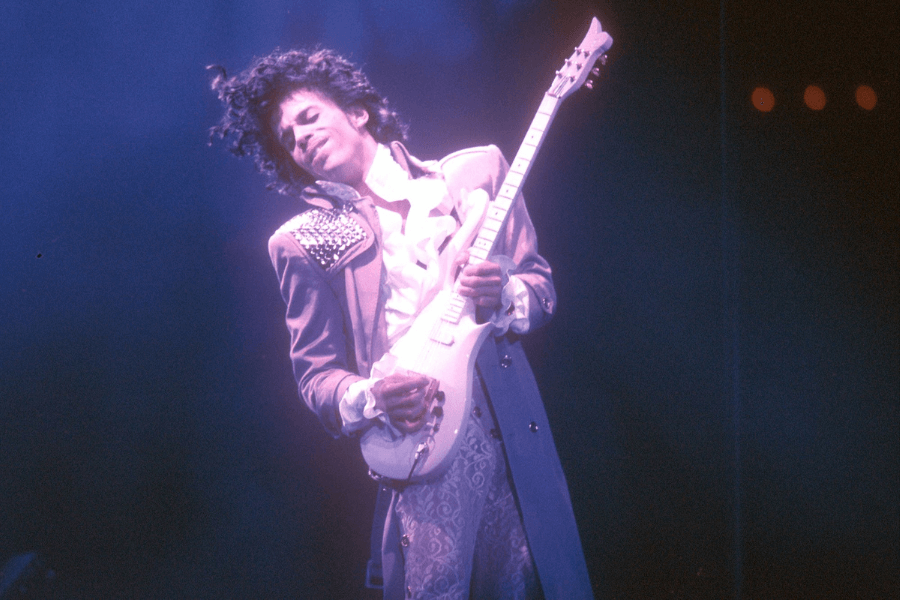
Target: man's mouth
313 151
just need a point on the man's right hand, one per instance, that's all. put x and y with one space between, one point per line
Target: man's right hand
404 396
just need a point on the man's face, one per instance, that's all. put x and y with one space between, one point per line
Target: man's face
324 140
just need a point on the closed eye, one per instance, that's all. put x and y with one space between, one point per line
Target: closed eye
307 117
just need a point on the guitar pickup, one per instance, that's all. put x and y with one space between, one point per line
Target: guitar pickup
444 335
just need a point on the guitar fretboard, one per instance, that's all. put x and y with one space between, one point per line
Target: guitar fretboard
572 75
498 209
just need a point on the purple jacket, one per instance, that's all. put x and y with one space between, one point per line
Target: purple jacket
329 264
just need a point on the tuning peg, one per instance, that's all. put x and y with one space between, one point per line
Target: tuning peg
592 78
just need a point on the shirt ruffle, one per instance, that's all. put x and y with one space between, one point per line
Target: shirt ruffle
415 269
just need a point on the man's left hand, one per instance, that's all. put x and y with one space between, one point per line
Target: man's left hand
483 282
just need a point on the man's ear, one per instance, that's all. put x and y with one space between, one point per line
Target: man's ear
358 116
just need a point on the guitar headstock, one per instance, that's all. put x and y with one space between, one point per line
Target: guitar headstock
580 65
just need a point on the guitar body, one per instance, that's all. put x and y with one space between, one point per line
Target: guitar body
445 351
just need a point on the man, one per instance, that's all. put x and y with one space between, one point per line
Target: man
378 235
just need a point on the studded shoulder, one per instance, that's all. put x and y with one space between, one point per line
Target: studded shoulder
327 235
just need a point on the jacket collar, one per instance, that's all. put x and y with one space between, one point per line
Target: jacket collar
410 164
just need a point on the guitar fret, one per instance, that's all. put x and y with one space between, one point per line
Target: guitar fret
496 212
453 312
548 105
504 202
520 165
479 253
483 243
534 136
540 121
451 316
492 224
507 191
526 151
514 178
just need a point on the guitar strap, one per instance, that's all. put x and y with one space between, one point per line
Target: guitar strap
374 571
538 478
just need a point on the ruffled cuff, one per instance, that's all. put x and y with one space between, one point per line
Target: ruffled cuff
514 301
357 406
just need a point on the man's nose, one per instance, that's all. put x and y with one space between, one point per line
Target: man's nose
302 138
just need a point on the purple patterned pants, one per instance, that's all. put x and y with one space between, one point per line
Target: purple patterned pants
462 535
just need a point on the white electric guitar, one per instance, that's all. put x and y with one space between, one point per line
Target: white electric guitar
445 338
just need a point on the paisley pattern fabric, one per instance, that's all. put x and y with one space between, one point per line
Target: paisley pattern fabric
462 535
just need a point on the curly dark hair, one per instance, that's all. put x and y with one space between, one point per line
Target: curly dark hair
251 97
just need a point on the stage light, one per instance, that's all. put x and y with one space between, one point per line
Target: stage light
763 99
866 97
814 97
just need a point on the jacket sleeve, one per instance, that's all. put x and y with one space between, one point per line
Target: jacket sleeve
319 348
486 168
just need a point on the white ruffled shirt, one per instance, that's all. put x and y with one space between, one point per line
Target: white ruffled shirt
415 270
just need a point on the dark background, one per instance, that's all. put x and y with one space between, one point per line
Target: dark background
722 375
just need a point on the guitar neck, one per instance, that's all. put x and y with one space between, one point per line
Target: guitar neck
574 73
498 209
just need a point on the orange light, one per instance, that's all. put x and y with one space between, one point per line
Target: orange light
763 99
814 97
866 97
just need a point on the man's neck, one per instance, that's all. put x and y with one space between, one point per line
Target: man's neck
397 205
401 207
369 148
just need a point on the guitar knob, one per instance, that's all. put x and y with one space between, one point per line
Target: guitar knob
438 411
439 396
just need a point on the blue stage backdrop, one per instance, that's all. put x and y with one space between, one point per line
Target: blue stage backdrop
721 377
